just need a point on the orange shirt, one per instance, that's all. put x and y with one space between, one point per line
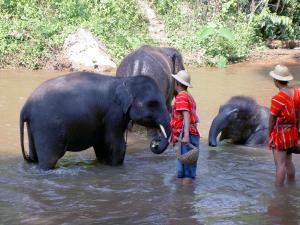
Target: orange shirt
285 133
183 102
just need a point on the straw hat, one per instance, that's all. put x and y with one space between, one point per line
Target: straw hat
183 77
281 73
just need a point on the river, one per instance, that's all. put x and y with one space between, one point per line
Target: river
234 185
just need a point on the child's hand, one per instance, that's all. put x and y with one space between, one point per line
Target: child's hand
185 139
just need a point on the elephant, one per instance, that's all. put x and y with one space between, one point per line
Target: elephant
243 121
80 110
157 63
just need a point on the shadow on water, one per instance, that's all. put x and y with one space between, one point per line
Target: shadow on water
234 185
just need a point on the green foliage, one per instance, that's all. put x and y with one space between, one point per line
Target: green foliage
32 30
226 30
224 38
165 6
272 26
213 30
278 20
223 43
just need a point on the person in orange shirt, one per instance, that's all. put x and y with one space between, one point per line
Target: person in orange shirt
184 123
283 124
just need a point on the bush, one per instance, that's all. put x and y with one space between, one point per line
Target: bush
272 26
249 24
32 30
225 37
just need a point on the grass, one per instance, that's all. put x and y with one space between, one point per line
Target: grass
32 30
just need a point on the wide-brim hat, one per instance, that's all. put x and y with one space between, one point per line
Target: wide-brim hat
281 73
183 77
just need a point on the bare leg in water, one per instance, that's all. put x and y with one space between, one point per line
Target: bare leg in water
187 181
284 165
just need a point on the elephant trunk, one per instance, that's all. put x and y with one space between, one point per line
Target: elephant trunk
160 142
219 123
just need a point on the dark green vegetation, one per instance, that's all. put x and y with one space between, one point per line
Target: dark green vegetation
33 30
228 29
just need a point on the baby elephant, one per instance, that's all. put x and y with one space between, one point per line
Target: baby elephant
81 110
241 120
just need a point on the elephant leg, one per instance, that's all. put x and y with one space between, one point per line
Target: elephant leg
32 149
50 149
112 149
118 150
101 151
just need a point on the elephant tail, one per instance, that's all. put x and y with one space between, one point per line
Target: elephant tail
22 122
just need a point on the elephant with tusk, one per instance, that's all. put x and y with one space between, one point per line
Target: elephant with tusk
157 63
81 110
154 62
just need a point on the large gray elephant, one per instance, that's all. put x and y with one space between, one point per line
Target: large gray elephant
81 110
157 63
243 121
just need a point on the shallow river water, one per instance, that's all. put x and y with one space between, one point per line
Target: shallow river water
234 185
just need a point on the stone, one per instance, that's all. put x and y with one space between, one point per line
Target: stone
83 52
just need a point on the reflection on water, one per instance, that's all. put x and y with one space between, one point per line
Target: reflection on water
234 183
284 206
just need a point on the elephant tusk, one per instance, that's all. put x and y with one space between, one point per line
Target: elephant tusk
163 130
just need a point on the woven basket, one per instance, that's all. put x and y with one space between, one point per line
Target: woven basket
189 157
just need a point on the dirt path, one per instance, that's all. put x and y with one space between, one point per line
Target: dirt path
155 26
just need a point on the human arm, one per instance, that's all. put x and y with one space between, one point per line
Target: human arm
186 129
298 120
297 108
275 109
182 108
272 122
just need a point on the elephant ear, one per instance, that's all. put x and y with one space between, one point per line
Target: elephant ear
176 58
177 62
123 97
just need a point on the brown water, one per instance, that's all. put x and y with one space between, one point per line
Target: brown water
234 184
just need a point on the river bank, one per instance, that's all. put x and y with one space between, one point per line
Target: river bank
260 57
274 56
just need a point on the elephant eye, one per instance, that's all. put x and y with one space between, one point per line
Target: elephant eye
152 104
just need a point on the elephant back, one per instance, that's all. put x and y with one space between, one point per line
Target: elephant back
145 61
153 62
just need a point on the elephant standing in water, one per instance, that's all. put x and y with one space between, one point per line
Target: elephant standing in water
81 110
157 63
241 120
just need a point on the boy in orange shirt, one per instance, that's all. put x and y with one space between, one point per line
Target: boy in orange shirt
184 121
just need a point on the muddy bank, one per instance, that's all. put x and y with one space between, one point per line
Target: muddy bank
261 57
266 57
274 56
